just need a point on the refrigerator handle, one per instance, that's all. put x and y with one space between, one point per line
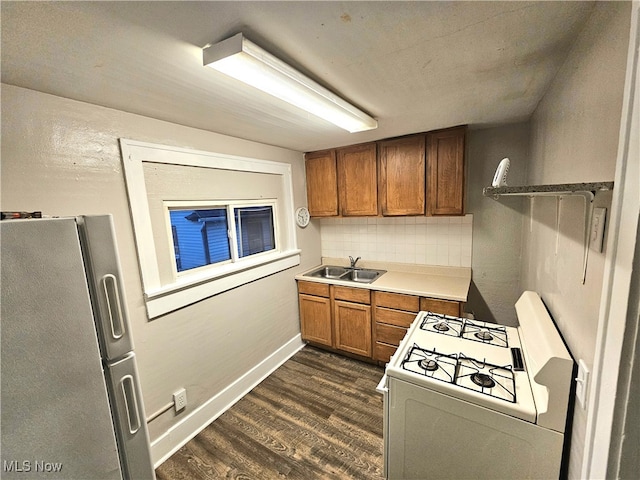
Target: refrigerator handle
128 389
114 305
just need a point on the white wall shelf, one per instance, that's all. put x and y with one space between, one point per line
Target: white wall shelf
585 190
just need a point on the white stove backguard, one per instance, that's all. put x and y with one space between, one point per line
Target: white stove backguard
549 363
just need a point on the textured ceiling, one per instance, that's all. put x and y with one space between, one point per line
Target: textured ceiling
415 66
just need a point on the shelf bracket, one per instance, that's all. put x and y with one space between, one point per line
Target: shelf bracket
586 190
588 215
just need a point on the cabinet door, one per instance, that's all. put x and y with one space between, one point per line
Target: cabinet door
401 176
353 327
357 180
445 172
322 183
315 319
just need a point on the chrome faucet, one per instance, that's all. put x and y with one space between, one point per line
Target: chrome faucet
353 262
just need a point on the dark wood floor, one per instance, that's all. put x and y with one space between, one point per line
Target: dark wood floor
317 416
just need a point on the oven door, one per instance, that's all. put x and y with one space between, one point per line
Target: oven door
432 435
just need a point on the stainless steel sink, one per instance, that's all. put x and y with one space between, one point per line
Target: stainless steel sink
363 275
359 275
329 272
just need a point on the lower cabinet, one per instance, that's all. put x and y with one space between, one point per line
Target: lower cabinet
393 314
359 321
315 313
315 319
352 323
335 316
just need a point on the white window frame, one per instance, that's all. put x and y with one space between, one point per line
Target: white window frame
235 262
187 289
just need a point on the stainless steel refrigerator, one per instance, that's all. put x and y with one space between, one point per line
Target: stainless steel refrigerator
71 406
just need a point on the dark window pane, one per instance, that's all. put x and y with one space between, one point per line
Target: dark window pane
254 229
201 236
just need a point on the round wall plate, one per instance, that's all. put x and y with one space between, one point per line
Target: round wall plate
302 217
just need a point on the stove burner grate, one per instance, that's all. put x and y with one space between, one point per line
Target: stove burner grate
429 363
464 328
486 378
491 335
443 324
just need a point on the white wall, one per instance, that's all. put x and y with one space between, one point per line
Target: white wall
497 229
62 157
574 136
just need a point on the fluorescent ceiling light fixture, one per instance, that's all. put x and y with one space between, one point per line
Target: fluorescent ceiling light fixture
245 61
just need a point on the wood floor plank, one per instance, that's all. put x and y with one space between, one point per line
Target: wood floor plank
317 417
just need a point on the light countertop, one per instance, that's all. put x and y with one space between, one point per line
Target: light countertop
446 283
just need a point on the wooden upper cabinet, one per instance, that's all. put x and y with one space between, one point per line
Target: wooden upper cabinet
445 172
401 176
322 183
357 180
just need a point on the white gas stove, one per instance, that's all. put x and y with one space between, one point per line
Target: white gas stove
459 385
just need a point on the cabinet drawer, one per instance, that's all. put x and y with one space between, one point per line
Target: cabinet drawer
358 295
409 303
313 288
383 352
389 334
440 306
394 317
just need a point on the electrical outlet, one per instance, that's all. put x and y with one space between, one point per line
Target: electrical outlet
180 399
597 229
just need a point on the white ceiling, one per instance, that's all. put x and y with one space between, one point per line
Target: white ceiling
415 66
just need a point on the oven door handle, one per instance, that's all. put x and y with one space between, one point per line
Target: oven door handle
382 386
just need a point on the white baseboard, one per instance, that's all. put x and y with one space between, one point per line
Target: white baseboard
178 435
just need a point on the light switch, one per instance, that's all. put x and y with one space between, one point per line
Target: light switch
597 229
582 384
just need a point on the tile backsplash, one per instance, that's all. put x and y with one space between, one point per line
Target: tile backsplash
418 240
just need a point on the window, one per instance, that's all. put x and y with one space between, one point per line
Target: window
254 230
239 212
202 236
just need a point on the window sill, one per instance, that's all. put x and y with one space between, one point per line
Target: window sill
193 288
